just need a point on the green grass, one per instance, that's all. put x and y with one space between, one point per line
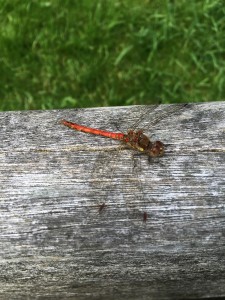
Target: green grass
58 54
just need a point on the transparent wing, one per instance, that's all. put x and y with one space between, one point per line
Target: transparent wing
159 113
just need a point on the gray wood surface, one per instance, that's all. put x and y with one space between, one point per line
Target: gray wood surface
57 243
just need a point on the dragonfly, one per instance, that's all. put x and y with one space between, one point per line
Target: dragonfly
134 139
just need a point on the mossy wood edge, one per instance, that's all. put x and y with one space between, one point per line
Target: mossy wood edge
80 219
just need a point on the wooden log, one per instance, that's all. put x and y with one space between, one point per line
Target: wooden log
80 219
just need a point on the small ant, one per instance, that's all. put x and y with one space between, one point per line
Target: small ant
145 216
101 207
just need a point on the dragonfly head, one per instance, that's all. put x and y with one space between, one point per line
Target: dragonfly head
157 149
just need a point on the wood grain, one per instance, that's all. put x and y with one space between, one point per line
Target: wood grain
83 218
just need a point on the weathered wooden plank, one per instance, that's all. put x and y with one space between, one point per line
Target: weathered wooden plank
55 243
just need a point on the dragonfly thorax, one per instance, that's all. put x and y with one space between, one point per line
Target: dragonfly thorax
139 141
